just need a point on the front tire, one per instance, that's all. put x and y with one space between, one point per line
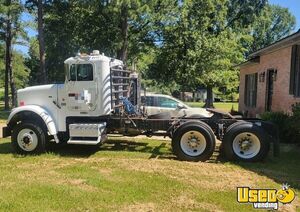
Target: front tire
28 138
193 141
247 142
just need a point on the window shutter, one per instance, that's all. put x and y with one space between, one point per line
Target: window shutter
297 72
246 95
255 90
293 71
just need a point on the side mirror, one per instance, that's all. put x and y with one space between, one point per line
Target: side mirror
180 106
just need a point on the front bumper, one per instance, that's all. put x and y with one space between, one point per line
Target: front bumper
6 132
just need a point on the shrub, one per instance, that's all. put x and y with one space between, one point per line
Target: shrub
294 122
282 120
288 125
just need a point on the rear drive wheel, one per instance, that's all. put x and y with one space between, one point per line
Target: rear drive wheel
193 141
246 142
28 138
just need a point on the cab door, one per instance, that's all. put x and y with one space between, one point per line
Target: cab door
81 87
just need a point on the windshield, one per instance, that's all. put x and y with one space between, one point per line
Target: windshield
80 72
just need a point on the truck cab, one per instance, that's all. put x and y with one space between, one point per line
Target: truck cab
76 111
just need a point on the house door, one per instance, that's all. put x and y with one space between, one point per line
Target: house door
270 88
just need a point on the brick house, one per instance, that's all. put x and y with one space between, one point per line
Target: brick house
270 79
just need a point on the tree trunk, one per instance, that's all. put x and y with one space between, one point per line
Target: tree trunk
12 87
122 54
43 73
194 96
209 103
8 65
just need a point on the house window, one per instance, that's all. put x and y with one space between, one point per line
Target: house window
295 71
250 90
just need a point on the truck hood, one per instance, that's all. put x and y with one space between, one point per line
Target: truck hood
38 88
38 95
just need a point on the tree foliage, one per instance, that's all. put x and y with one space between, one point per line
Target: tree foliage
11 32
204 40
274 23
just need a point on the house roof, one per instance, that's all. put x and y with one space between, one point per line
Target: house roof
286 41
251 61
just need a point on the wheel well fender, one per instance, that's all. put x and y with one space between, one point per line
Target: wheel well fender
32 113
194 122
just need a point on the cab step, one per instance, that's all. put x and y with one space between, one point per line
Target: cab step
89 141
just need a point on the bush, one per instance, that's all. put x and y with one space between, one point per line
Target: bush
288 125
294 122
280 119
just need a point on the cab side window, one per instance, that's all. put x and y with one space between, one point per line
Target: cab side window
81 72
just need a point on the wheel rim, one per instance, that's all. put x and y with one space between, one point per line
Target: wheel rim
27 139
246 145
193 143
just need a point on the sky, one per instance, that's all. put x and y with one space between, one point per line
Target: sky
292 5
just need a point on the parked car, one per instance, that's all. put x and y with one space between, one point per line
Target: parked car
159 103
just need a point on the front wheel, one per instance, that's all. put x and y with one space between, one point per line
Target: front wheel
28 138
193 141
246 142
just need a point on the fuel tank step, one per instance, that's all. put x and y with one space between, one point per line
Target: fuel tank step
84 142
87 133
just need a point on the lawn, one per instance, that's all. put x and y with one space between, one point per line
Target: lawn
134 174
225 106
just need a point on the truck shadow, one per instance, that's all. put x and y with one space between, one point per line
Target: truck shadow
5 148
161 151
283 169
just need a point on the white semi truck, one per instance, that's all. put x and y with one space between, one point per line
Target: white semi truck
100 97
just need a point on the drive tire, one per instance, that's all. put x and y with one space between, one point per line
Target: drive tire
254 138
205 141
28 138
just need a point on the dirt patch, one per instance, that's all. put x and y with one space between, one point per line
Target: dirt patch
204 175
188 203
139 207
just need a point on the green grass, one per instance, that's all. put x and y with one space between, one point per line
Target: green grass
226 106
133 174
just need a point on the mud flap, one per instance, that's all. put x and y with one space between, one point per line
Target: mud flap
6 132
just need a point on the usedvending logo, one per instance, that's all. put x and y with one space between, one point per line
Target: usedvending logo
265 198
